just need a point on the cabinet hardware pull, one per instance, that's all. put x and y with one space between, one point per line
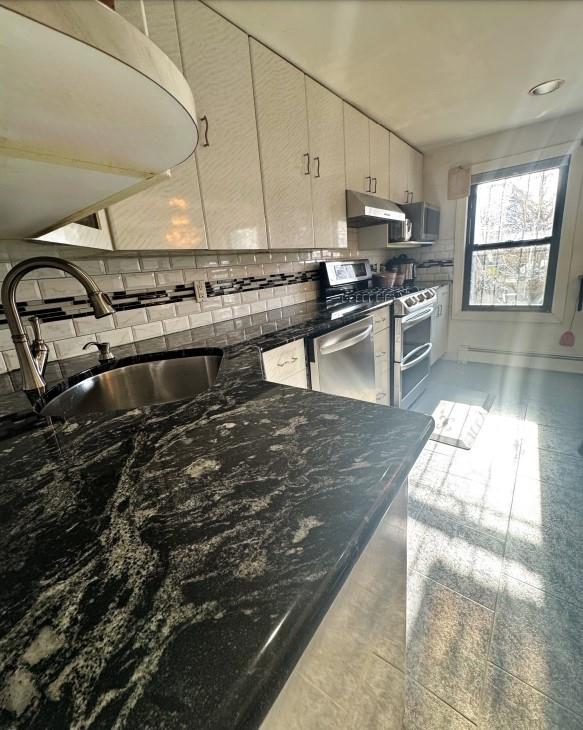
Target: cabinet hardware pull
411 194
317 161
206 142
406 196
307 159
374 180
287 362
367 185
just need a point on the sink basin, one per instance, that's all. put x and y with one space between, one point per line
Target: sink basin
140 384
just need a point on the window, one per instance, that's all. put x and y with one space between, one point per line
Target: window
512 241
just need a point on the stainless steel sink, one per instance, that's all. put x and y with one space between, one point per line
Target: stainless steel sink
140 384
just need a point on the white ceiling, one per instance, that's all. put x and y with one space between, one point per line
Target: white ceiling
433 71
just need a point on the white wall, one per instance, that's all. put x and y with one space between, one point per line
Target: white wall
537 334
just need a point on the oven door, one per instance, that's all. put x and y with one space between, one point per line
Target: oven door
412 356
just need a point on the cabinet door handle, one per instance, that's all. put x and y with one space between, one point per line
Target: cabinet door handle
411 194
406 196
282 363
375 185
307 161
205 133
317 161
367 184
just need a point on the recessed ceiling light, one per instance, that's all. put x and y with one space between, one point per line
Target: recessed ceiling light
546 87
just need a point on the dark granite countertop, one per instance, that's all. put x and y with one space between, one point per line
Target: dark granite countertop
166 566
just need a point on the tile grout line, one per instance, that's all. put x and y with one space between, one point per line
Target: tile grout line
536 689
445 702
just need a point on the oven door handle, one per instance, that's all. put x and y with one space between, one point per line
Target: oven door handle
417 316
343 344
408 362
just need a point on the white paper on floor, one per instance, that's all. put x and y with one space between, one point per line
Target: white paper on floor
459 413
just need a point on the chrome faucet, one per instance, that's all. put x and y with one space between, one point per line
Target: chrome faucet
32 356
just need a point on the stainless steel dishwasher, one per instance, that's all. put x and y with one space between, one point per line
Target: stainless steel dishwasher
342 361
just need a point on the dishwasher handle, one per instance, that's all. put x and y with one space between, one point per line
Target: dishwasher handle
344 344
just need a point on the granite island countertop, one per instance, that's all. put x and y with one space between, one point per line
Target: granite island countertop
166 566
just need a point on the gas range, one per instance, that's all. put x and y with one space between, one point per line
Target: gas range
347 286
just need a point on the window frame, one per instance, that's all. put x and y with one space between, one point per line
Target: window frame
562 162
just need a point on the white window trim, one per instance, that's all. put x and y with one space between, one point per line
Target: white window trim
572 200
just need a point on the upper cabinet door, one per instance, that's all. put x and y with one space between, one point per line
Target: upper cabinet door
326 136
399 161
282 123
379 159
168 215
357 150
415 175
216 63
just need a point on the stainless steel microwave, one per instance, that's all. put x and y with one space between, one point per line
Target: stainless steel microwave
424 219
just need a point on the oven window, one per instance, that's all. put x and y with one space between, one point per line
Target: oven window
415 336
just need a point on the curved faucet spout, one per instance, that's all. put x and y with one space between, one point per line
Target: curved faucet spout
32 356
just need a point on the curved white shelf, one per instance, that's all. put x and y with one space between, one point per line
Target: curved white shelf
92 111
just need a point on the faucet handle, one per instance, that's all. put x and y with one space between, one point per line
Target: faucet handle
105 353
35 322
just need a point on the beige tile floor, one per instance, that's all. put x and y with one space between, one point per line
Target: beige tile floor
495 586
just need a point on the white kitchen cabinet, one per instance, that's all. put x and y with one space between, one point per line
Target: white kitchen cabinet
168 215
379 159
357 150
217 64
286 364
415 176
382 353
405 172
282 125
399 160
440 324
326 146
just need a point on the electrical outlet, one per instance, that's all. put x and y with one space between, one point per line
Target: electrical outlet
200 291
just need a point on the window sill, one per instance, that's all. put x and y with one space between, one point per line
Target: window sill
506 315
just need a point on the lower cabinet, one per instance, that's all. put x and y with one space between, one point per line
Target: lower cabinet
440 323
286 365
382 354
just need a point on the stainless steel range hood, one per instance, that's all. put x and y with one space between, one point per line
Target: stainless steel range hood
367 210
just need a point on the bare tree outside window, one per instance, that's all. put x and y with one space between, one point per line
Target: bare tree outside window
513 231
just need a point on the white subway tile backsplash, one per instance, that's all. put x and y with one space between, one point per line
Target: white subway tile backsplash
183 261
249 296
220 315
11 359
121 336
274 303
6 342
270 269
255 270
3 366
122 265
169 278
246 258
200 320
4 269
130 317
145 331
218 274
71 347
110 282
90 266
87 325
187 307
231 299
195 275
267 293
161 311
210 305
259 306
139 281
53 288
241 310
155 263
263 258
176 324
